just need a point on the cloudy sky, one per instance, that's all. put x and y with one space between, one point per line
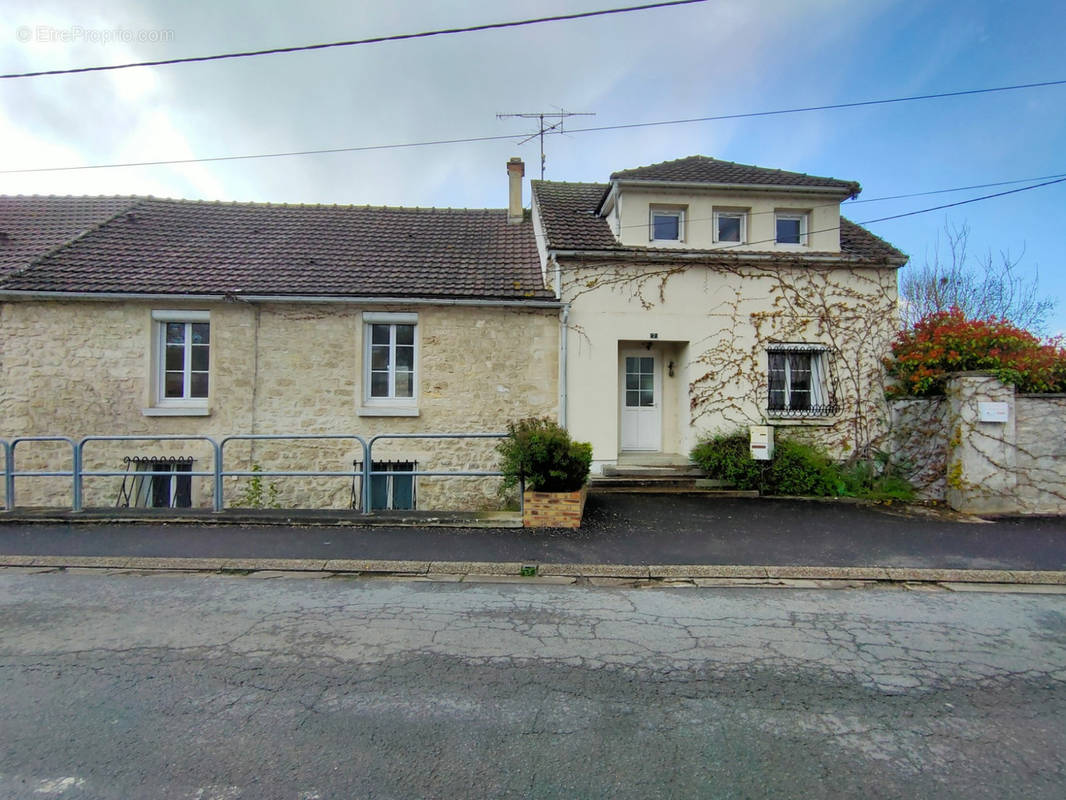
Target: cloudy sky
719 57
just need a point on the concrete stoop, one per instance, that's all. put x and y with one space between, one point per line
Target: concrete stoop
676 477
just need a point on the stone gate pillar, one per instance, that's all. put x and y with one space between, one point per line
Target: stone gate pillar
981 453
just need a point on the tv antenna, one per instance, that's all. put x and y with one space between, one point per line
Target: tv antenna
546 125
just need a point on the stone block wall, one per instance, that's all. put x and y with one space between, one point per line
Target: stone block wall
83 368
981 466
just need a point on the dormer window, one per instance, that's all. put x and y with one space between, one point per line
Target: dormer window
791 227
667 224
730 226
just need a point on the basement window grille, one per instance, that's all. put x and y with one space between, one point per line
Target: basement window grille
394 491
156 482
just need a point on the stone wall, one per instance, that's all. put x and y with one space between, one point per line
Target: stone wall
82 368
985 450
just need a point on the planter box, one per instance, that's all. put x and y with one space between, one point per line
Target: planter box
553 509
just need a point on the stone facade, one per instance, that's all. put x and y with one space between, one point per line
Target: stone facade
85 368
1014 463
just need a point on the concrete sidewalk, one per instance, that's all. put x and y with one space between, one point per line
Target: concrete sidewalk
644 536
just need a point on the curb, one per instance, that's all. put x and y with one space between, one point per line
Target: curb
653 572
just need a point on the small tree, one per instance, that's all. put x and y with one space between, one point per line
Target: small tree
979 287
946 342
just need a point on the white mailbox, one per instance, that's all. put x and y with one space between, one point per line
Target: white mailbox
762 442
992 412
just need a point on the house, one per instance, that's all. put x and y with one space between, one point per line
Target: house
706 296
675 300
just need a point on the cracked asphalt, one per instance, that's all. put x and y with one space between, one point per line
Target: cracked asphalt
208 686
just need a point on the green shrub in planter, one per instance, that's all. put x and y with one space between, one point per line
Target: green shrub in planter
542 452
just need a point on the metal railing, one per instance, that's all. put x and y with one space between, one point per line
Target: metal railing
80 474
77 473
10 473
256 437
368 461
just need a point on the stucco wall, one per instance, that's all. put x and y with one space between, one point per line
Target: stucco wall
716 321
81 368
629 219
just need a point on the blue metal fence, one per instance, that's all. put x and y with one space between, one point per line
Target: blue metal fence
77 473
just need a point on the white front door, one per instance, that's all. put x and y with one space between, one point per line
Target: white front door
641 396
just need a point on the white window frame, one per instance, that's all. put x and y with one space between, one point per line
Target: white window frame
389 406
821 395
667 211
733 212
161 405
792 215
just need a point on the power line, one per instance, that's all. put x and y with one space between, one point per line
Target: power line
828 107
955 189
469 139
353 42
907 213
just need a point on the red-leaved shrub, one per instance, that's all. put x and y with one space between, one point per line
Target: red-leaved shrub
945 342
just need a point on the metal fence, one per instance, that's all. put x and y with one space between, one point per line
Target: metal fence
77 473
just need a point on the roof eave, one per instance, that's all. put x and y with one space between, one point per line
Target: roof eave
712 255
844 192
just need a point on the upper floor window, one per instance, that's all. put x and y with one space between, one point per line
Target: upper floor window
183 357
667 224
791 227
730 226
390 375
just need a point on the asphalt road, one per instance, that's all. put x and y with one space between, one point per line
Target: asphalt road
618 529
216 687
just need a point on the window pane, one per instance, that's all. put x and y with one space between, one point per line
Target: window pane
379 384
198 387
632 364
647 382
632 381
405 334
647 397
405 358
201 333
199 358
160 485
175 359
728 228
788 231
632 398
799 400
379 334
379 490
647 365
174 385
777 398
175 332
403 490
405 384
379 357
666 226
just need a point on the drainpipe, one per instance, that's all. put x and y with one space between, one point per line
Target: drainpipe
564 319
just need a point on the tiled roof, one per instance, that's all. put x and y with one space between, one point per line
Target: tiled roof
191 247
701 169
568 213
30 227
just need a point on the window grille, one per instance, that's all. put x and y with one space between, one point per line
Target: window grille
168 487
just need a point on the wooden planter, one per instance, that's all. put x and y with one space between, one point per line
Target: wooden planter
553 509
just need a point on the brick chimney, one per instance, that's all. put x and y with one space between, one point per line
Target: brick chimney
515 171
